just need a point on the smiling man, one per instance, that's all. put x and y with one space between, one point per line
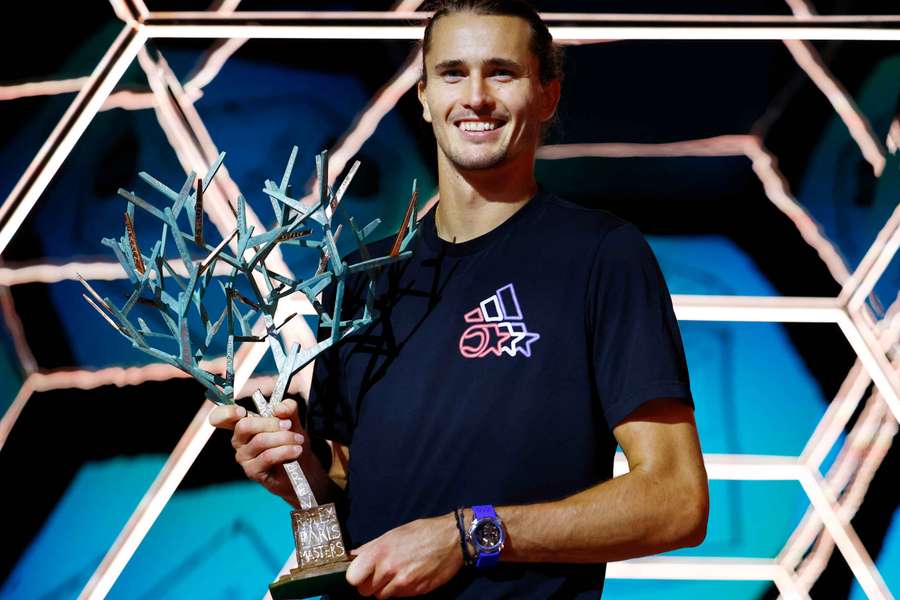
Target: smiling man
524 340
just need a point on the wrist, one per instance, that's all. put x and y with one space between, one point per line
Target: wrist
451 536
486 535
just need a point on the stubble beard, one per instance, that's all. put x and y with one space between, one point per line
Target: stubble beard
474 162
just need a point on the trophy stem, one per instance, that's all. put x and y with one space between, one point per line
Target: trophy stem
298 480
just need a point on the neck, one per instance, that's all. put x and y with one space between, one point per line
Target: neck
473 203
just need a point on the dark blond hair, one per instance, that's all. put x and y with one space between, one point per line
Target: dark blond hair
549 55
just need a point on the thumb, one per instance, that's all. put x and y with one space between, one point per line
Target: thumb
359 570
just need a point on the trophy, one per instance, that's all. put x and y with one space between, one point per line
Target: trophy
180 301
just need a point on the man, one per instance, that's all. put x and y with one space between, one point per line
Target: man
524 339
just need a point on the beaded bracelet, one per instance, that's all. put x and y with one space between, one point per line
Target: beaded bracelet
467 559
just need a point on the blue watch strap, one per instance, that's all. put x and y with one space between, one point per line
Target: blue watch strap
485 559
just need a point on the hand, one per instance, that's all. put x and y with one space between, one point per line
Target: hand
262 444
410 560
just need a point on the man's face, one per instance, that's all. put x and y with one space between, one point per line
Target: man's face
484 97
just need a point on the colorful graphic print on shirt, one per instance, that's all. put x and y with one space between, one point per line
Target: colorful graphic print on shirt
497 327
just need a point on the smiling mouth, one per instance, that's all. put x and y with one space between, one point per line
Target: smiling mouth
479 126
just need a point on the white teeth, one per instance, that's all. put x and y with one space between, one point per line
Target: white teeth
477 125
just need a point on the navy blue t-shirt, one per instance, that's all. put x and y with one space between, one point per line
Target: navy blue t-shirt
494 375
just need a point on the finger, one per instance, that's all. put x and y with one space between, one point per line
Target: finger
226 416
398 586
287 409
257 468
360 569
383 573
261 442
366 589
247 427
388 591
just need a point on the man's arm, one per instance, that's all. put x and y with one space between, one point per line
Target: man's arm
662 503
262 445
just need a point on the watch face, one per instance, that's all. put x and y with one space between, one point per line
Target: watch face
488 534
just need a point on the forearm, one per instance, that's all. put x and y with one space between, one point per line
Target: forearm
633 515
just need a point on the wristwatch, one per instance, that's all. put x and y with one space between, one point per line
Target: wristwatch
487 535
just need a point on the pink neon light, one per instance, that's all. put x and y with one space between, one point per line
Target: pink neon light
63 137
130 11
764 165
893 137
14 326
367 121
873 264
41 88
98 270
808 59
801 8
15 409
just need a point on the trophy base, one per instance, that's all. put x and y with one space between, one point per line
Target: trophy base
310 582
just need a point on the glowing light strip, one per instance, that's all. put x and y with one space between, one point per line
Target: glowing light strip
801 8
770 468
738 467
845 537
763 164
129 99
893 136
847 464
407 5
577 27
694 568
367 121
14 326
195 437
809 532
707 568
818 559
720 145
183 456
194 148
777 191
151 505
41 88
130 11
15 409
95 270
562 34
757 308
211 65
858 126
850 477
427 206
874 263
819 445
875 362
836 416
70 127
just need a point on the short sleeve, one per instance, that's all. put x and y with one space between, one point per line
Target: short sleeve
330 414
636 345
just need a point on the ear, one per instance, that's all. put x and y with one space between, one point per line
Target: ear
420 90
551 93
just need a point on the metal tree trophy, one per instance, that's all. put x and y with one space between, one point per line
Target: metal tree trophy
180 301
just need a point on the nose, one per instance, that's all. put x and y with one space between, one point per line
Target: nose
477 94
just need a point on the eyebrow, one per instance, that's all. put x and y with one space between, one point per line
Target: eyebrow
492 62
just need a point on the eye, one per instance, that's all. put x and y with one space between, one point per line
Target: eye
503 75
452 75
